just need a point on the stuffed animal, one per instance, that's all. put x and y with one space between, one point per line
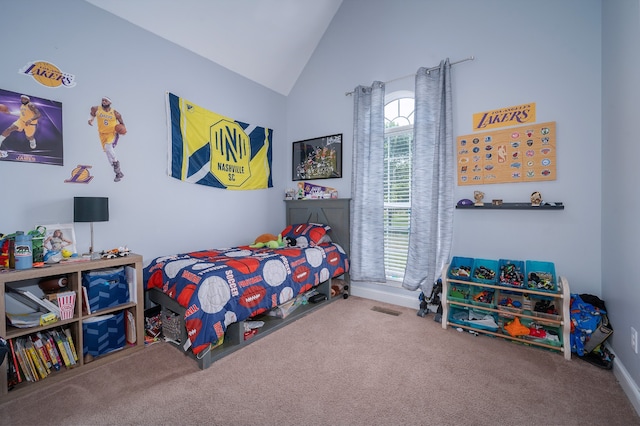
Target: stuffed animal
338 287
271 241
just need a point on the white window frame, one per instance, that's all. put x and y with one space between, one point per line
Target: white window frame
396 250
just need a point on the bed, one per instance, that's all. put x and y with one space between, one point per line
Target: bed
215 293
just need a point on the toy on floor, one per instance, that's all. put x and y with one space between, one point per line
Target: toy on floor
338 287
432 300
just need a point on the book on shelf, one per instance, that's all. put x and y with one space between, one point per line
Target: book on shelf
15 361
86 308
42 354
26 320
26 297
62 350
67 331
39 368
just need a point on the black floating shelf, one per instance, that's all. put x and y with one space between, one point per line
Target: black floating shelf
513 206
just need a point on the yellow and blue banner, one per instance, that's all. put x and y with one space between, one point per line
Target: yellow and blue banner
209 149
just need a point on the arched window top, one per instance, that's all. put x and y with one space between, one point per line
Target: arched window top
399 109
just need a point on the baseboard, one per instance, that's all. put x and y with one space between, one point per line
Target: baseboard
628 385
395 296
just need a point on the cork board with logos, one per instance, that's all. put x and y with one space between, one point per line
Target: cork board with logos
518 154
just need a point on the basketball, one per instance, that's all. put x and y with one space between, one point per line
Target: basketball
120 129
4 108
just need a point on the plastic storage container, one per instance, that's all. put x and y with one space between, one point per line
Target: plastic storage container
460 268
511 273
485 271
541 276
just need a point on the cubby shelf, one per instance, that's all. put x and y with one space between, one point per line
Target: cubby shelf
561 321
74 271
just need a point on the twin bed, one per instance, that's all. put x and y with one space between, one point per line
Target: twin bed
216 293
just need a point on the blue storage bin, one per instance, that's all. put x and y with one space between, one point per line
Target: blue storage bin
541 276
459 292
103 334
459 266
476 318
511 273
483 297
481 265
106 288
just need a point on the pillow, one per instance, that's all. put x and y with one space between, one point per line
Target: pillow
307 234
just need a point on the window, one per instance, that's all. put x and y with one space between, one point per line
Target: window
398 138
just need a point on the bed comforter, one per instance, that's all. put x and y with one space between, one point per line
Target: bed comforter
221 286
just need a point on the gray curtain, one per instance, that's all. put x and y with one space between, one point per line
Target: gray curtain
367 197
432 184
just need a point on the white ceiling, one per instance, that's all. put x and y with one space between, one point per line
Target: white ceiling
267 41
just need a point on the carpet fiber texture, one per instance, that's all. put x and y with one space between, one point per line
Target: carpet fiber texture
348 363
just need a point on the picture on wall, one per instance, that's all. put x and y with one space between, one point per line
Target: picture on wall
319 158
31 129
58 237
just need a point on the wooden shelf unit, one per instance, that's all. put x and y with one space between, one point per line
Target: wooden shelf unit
73 270
562 298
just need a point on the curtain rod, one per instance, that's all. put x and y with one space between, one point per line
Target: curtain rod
470 58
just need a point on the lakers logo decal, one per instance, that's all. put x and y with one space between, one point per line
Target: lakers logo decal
80 175
48 74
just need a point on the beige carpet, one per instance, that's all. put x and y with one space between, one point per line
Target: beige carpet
344 364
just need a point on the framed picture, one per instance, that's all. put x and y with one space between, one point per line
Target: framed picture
40 141
319 158
58 237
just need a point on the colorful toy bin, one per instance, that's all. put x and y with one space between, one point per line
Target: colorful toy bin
460 268
541 276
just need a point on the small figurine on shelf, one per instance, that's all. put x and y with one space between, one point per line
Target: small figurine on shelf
478 196
536 199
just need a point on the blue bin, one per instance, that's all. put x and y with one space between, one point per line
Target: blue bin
480 265
459 264
511 273
541 276
103 334
106 288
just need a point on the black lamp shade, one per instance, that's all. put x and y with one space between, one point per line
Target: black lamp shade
90 209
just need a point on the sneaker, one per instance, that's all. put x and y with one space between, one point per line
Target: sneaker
3 154
32 144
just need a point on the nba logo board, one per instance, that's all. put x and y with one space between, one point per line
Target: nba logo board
518 154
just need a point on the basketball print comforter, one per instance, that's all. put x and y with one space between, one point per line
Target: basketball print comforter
222 286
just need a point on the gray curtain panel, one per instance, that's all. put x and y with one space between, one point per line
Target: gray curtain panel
367 197
432 184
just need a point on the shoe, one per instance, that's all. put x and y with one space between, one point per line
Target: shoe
32 144
3 154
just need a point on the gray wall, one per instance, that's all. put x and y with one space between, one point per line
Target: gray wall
620 177
546 52
150 212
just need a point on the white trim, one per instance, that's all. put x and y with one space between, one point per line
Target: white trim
628 385
395 296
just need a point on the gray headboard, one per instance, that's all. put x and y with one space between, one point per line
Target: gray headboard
332 211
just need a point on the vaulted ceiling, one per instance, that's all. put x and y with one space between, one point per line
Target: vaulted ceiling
267 41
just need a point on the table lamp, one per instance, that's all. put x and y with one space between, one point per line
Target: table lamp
91 209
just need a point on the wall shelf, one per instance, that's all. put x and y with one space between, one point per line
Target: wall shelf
513 206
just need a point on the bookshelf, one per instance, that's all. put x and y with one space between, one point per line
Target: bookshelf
74 272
